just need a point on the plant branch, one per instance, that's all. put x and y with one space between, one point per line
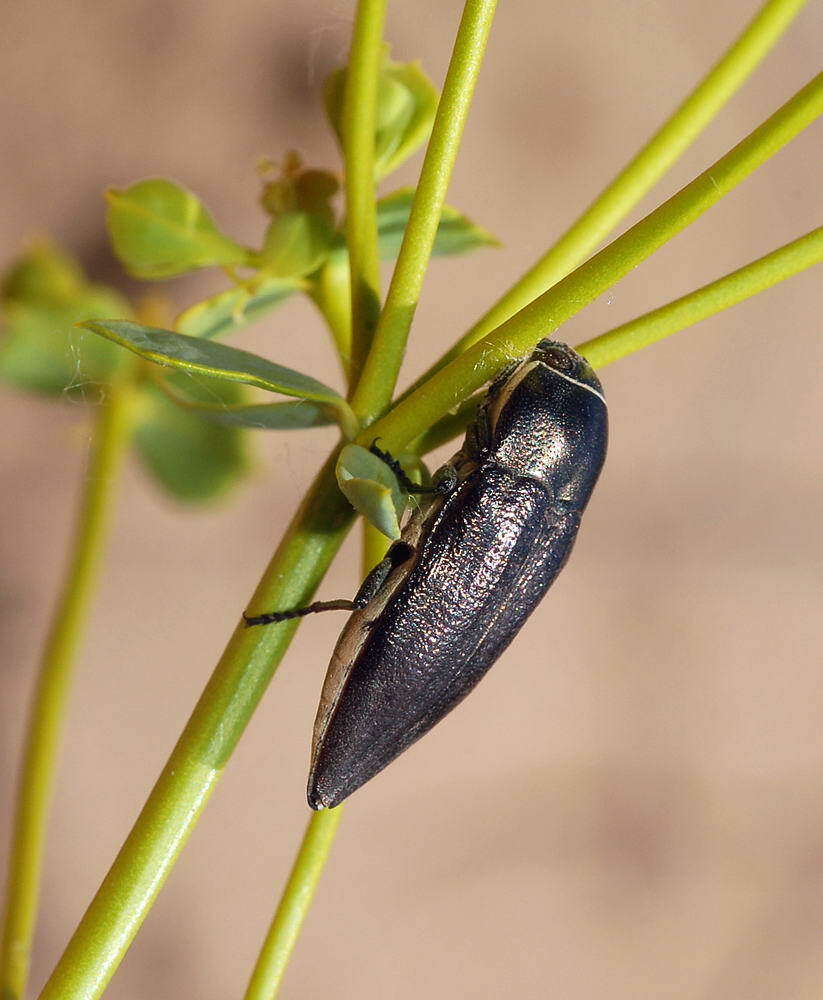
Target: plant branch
642 172
294 905
359 126
713 298
220 716
376 386
331 293
48 708
518 335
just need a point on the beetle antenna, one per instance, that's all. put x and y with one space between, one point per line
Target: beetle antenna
271 617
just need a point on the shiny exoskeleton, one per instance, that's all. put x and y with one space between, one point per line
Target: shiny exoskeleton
469 568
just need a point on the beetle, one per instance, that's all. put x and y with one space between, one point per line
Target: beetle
469 568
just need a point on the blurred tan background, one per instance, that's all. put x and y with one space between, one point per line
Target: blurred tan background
631 804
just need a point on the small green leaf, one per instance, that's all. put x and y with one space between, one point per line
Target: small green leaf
235 308
160 229
406 105
190 458
455 232
44 295
371 488
207 357
296 244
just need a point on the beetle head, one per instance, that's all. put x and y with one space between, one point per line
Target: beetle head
547 419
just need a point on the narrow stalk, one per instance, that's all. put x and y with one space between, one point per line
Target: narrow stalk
713 298
515 338
637 178
331 294
308 865
220 716
294 905
359 125
48 708
376 386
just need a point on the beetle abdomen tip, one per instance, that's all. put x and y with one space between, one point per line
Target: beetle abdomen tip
318 800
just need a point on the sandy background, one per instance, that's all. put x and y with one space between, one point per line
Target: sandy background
631 805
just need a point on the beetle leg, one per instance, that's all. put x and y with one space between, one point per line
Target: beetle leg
442 485
397 554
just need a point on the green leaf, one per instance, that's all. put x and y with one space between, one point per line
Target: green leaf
160 229
190 458
235 308
44 294
260 416
455 232
406 105
207 357
371 488
296 244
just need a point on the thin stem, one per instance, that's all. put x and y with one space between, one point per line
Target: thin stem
220 716
642 172
331 294
376 387
359 126
308 865
294 905
713 298
48 708
516 337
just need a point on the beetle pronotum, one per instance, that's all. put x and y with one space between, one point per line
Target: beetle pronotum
469 568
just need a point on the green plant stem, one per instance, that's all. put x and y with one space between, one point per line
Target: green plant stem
311 858
359 126
376 386
294 904
516 337
331 294
48 708
642 172
713 298
220 716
